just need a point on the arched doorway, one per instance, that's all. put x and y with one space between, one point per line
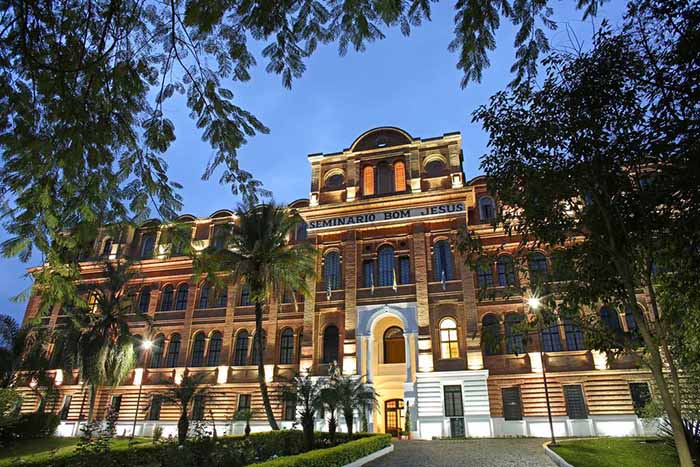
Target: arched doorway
393 416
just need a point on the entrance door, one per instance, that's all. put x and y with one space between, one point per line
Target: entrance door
393 416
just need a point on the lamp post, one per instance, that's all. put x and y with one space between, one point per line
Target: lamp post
534 303
145 345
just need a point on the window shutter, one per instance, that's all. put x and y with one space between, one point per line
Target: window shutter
400 176
575 402
512 404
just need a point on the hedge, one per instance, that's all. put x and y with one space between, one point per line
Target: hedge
333 457
265 445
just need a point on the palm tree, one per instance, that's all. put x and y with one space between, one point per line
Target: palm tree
307 393
259 255
330 400
354 395
97 339
23 350
184 394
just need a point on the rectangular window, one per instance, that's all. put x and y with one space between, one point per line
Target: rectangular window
154 410
368 274
198 406
116 404
512 404
575 402
404 270
290 409
640 396
243 402
65 408
453 401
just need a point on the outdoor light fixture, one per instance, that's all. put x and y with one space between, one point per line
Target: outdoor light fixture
147 344
533 302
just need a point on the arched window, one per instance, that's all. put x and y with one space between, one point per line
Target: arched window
255 357
222 297
386 266
368 273
632 327
245 295
181 298
404 270
287 347
215 344
514 335
506 271
331 271
148 242
166 299
107 249
204 296
385 179
144 299
301 231
491 335
484 273
240 356
550 338
537 264
442 261
330 344
574 336
368 180
334 181
157 350
562 269
394 347
487 208
399 176
610 319
173 351
198 350
449 345
435 168
138 349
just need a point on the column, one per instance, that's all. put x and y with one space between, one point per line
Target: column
407 342
369 359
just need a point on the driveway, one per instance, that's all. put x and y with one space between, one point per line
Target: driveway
505 452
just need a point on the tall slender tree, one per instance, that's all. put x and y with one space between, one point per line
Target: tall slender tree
184 394
97 339
257 253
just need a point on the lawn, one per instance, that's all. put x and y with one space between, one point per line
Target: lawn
38 449
617 452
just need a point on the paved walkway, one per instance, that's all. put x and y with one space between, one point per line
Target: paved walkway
516 452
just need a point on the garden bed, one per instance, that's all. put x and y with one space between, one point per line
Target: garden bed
270 449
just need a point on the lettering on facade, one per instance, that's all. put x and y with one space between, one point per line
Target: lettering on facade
383 216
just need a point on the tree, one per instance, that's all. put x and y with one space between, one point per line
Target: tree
354 395
307 392
258 255
97 339
602 158
86 86
184 394
330 400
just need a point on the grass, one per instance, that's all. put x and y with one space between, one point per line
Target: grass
617 452
40 449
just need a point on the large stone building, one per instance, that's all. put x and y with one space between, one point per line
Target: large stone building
394 301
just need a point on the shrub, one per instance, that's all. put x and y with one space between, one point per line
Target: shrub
333 457
31 426
157 433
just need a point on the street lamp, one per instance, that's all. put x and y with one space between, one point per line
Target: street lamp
145 345
534 303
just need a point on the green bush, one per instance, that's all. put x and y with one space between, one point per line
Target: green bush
36 425
333 457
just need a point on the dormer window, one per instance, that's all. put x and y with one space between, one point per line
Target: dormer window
335 181
148 242
435 168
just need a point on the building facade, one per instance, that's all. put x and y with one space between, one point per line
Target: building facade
394 302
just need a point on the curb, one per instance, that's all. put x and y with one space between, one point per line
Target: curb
556 458
369 458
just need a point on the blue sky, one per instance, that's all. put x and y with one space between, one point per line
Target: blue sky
409 82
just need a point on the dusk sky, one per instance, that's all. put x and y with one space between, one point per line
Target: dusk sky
411 83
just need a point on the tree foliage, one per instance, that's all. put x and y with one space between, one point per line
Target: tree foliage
87 86
602 159
183 395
